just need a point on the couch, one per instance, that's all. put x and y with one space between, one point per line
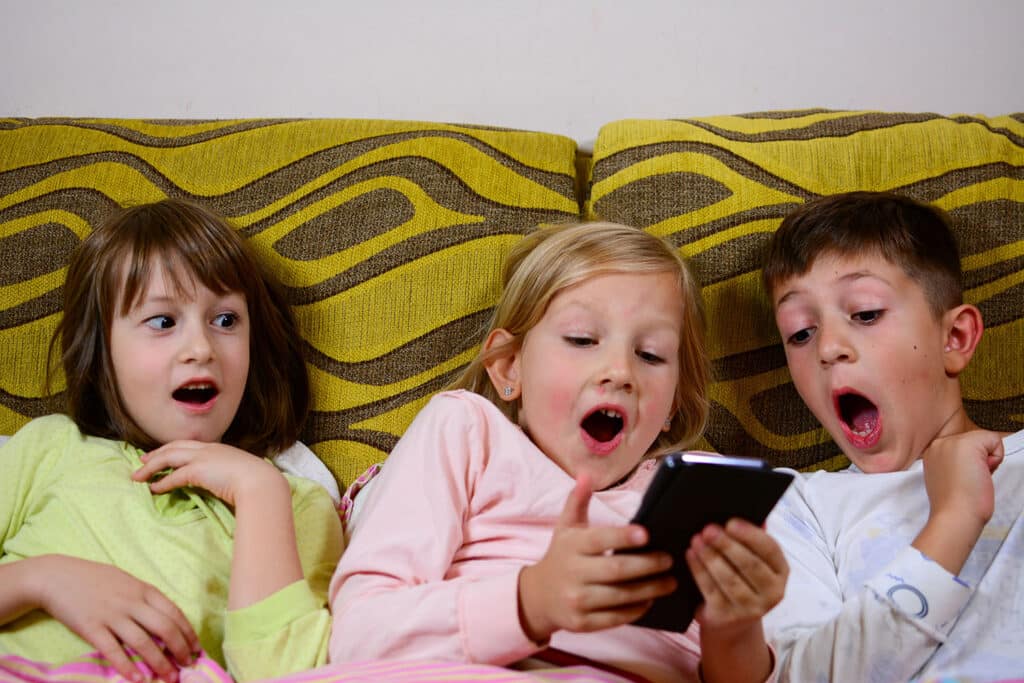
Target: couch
389 236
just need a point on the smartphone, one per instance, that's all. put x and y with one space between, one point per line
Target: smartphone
688 492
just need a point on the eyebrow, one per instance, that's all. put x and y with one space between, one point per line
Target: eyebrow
849 277
787 296
659 321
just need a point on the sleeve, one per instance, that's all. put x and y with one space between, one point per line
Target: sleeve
25 461
884 632
392 595
281 634
288 631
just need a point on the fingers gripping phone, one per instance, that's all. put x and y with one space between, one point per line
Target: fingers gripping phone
688 492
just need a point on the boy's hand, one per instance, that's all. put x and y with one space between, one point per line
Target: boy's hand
958 473
579 585
225 471
741 572
111 609
958 479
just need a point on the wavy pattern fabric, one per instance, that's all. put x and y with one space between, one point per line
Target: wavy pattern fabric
388 236
718 187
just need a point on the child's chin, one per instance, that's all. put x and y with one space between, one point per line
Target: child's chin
878 463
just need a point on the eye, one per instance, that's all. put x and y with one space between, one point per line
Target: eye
867 317
226 320
579 341
800 337
159 322
648 357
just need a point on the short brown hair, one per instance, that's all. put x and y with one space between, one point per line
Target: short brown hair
549 260
910 234
108 274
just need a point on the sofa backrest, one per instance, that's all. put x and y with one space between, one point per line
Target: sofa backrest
387 236
718 187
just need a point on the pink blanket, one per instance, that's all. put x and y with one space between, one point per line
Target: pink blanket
94 669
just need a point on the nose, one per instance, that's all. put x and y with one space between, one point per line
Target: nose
617 368
196 346
834 345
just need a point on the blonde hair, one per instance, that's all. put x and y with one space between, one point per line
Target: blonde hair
549 260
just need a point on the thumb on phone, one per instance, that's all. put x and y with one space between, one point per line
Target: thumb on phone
575 511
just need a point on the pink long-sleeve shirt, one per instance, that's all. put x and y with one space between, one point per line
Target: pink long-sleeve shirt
464 502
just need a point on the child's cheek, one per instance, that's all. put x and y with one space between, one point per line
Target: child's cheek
553 407
559 400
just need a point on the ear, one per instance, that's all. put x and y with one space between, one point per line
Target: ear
963 328
503 369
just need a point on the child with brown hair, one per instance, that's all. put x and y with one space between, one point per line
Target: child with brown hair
149 519
908 564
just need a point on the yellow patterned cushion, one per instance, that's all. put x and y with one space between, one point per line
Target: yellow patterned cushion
388 235
717 187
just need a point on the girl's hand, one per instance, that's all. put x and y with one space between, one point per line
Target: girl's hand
111 609
225 471
741 572
580 585
265 557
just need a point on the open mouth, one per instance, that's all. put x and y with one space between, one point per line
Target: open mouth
859 416
603 425
198 393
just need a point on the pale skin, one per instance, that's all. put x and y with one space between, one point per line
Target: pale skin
613 339
741 572
580 585
864 318
121 611
960 459
203 335
958 479
118 610
265 557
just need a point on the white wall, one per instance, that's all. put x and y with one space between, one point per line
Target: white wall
563 66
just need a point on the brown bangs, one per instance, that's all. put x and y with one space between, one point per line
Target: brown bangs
914 236
188 256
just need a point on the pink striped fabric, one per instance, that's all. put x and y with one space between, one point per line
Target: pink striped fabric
95 669
436 672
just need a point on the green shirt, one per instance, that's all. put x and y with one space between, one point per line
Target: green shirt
61 492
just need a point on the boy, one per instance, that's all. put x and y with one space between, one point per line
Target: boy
908 564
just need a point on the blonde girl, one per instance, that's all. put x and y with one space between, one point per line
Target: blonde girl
489 535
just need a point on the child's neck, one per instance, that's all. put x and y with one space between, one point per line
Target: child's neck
957 423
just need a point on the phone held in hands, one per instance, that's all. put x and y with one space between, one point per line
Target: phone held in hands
688 492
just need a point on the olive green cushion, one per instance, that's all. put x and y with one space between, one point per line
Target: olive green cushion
717 187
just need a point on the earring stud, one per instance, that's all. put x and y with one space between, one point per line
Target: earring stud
507 392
